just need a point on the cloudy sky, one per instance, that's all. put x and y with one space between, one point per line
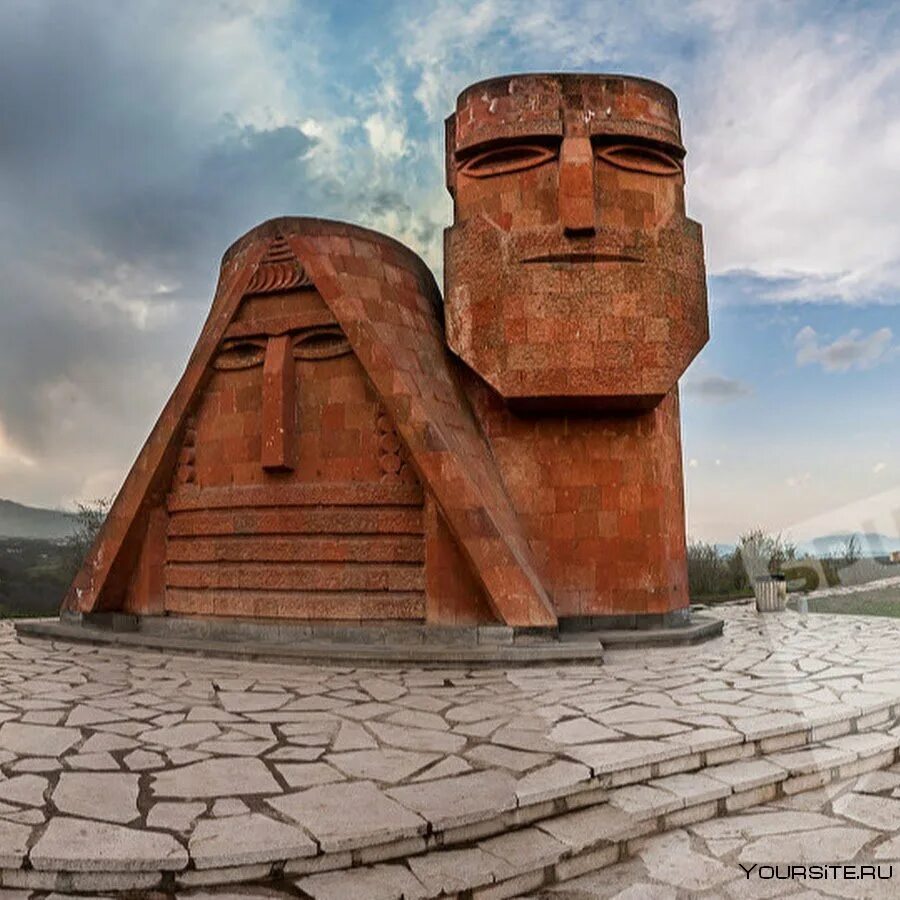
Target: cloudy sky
137 140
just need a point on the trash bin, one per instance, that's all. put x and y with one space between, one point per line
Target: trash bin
771 593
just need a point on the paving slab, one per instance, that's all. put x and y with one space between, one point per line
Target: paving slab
244 839
418 738
304 775
693 787
372 883
185 734
37 740
228 806
526 849
92 762
881 813
344 816
13 843
746 774
590 827
452 802
670 859
216 778
111 797
760 824
581 730
838 843
557 779
453 871
84 845
388 765
174 816
25 789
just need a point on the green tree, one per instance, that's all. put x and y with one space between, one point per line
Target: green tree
89 520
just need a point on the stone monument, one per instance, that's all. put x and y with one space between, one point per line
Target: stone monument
575 296
344 447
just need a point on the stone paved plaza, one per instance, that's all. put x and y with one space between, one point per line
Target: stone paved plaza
145 770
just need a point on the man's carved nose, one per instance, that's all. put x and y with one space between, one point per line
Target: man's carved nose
278 416
576 185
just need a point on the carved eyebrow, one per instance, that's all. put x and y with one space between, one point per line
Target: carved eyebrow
551 141
263 328
254 340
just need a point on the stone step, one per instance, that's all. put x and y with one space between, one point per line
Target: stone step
543 829
563 847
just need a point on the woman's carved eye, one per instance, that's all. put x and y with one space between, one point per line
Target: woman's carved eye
640 159
506 159
240 354
323 343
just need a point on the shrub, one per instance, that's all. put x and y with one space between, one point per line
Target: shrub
716 573
89 518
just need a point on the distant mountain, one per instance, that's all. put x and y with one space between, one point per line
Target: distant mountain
869 544
19 521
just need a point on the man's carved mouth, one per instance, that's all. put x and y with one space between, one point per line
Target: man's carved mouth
583 258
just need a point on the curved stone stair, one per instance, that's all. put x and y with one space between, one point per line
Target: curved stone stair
561 847
494 838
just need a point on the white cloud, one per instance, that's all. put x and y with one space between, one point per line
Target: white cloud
795 481
878 468
387 136
850 351
126 289
793 138
444 49
714 388
11 458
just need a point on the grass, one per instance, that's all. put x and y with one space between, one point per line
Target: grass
884 602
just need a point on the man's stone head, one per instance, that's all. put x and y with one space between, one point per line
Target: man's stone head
572 272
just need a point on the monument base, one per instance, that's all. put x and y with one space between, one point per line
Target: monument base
675 628
580 640
356 643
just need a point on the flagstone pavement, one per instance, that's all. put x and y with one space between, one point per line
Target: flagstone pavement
112 756
841 829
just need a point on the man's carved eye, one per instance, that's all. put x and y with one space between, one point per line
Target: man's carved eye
640 159
321 343
240 354
506 159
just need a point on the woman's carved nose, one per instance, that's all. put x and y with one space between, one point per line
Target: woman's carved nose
278 416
